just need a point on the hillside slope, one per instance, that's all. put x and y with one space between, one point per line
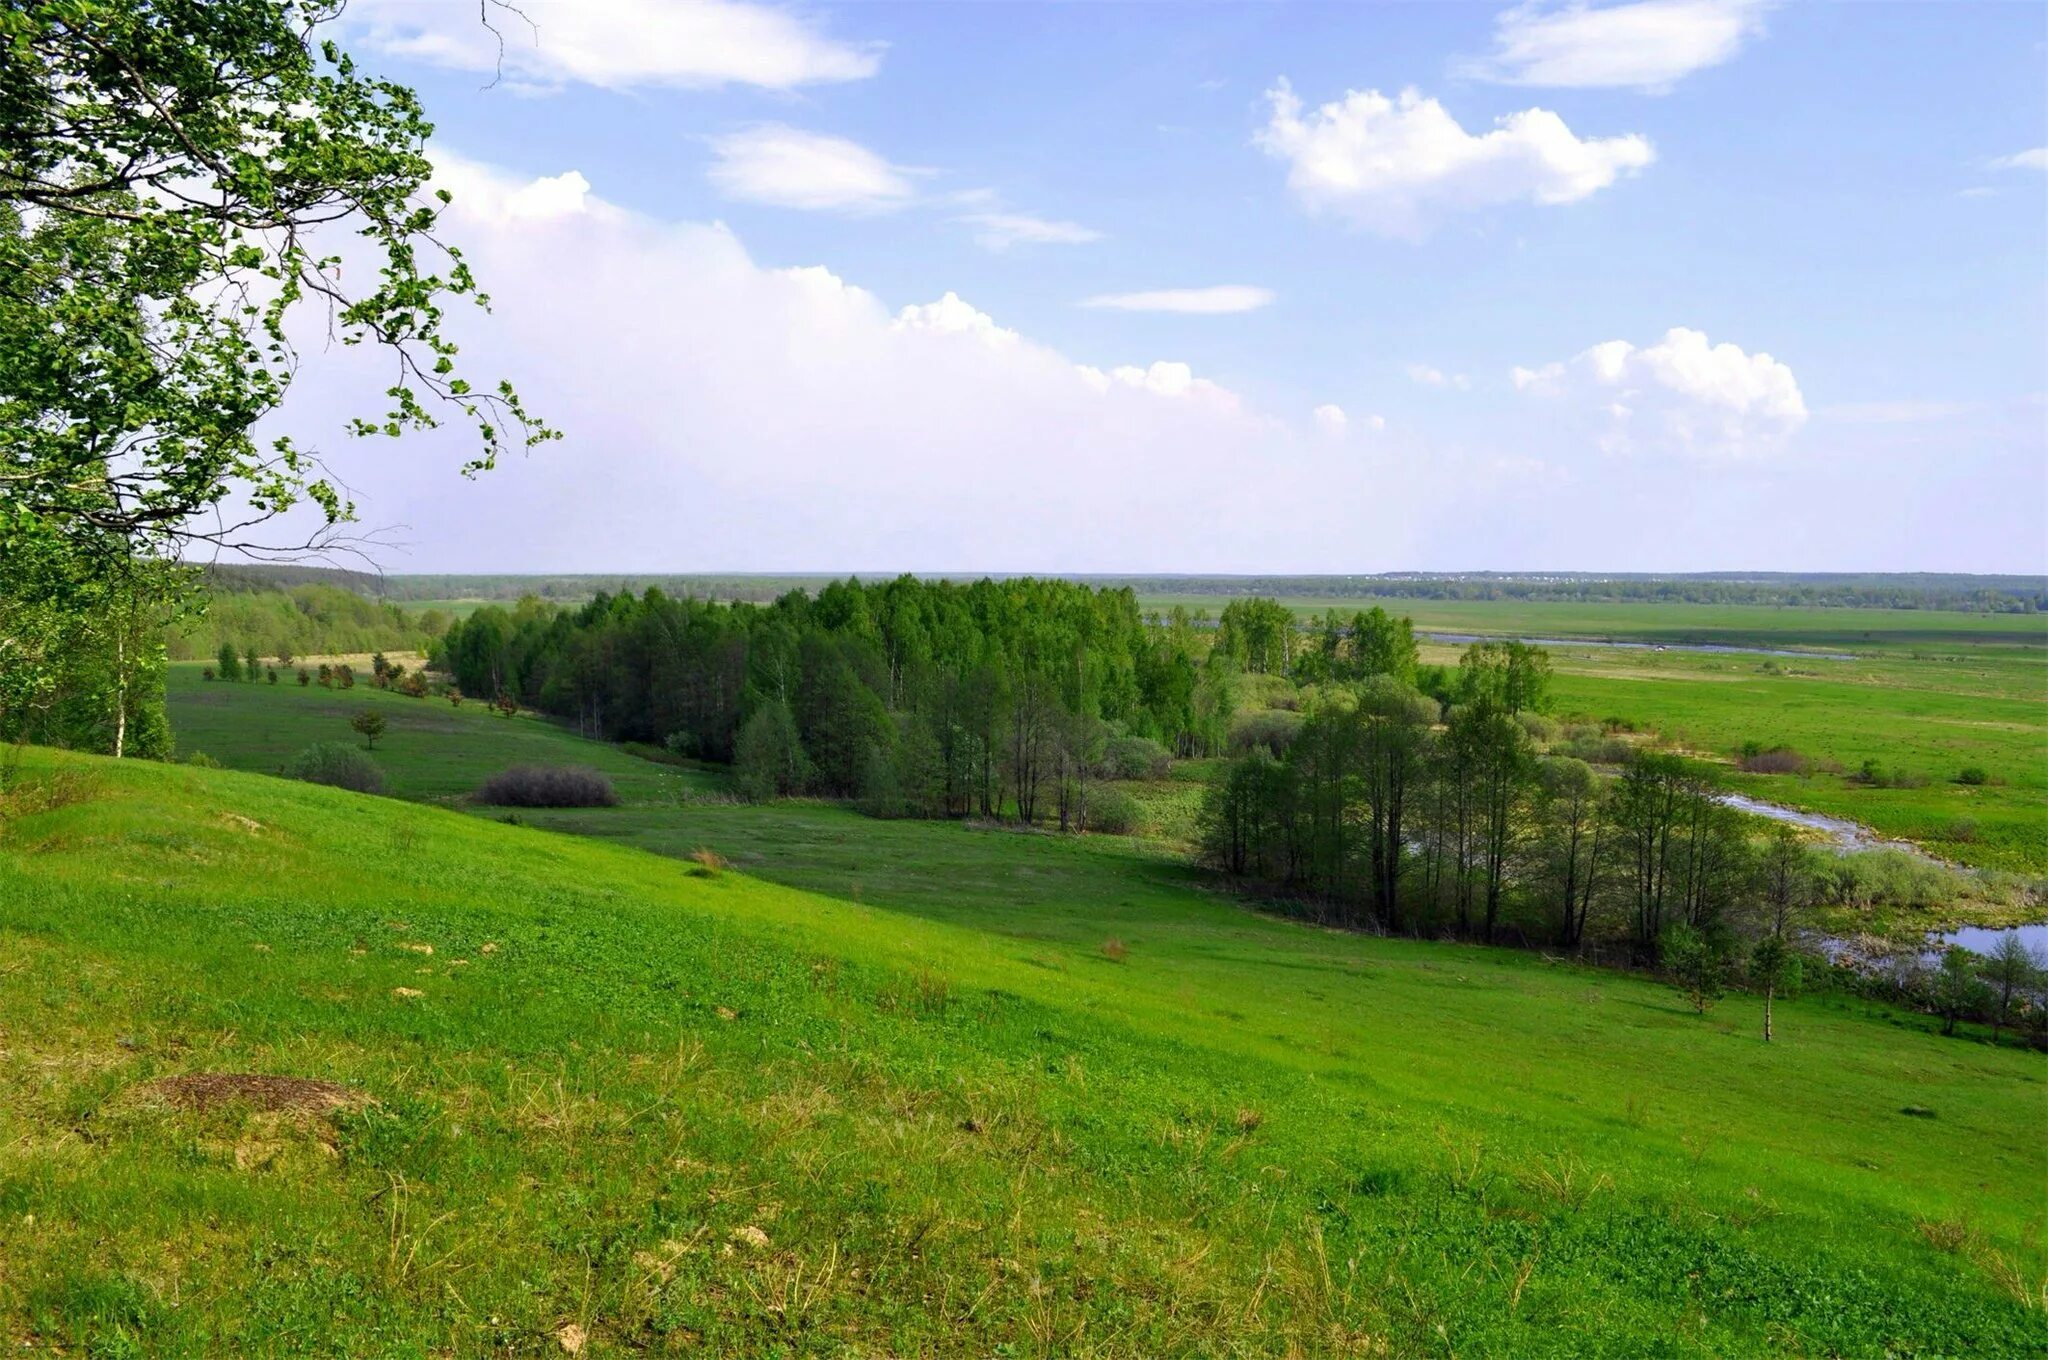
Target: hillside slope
628 1103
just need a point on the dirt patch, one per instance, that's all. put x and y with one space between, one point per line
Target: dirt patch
214 1090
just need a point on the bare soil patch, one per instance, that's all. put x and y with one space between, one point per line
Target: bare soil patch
214 1090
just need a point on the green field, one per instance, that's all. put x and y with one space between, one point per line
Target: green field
431 750
925 1111
1817 629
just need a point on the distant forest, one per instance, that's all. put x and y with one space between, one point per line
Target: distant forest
1873 590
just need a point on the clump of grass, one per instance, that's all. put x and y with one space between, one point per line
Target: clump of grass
1567 1181
1946 1234
709 863
1115 950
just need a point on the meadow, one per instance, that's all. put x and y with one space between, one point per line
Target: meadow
980 1092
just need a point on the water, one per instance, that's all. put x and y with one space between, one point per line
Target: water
1843 836
1982 939
1720 648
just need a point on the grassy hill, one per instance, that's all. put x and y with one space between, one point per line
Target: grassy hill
1000 1094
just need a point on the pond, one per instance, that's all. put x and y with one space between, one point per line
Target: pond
1983 939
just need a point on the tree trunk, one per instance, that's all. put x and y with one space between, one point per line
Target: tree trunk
1770 990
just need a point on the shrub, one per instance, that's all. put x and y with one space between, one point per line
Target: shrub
1542 730
548 786
1777 760
206 673
1112 812
1972 774
1135 758
338 765
305 677
271 674
202 761
1272 729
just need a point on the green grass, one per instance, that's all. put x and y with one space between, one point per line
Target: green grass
926 1114
1817 629
1926 718
431 750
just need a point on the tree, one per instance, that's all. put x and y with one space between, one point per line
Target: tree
1395 745
229 663
1787 885
1644 809
1955 990
1495 755
369 723
768 757
1698 960
2010 967
174 177
252 665
1384 645
1571 822
1514 675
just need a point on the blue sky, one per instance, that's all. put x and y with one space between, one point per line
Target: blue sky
1673 285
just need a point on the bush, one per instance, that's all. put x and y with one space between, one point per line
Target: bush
338 765
548 786
1135 758
1972 774
202 761
1542 730
1272 729
1112 812
1777 760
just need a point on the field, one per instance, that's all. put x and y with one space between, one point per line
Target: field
982 1092
1736 625
1926 719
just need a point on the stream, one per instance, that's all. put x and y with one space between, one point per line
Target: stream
1846 836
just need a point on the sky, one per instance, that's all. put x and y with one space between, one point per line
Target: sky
1660 286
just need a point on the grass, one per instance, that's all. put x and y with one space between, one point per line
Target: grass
989 1093
1813 628
431 750
1925 718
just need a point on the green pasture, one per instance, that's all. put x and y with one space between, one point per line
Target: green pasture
1790 627
431 750
993 1093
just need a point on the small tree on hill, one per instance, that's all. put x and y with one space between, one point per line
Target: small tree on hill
284 657
305 677
252 665
1955 990
1787 884
2011 967
1698 961
270 674
229 665
370 723
326 676
506 705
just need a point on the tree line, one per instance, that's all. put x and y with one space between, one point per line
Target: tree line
929 698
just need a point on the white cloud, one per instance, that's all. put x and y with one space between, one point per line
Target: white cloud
1428 376
2033 158
1647 46
1217 301
615 44
720 412
998 231
1395 165
791 168
1682 394
1334 421
1898 412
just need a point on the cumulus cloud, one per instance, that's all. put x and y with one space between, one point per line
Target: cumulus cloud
2033 158
790 168
1335 422
614 44
998 231
1396 165
1428 376
1216 301
725 413
1682 394
1648 46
